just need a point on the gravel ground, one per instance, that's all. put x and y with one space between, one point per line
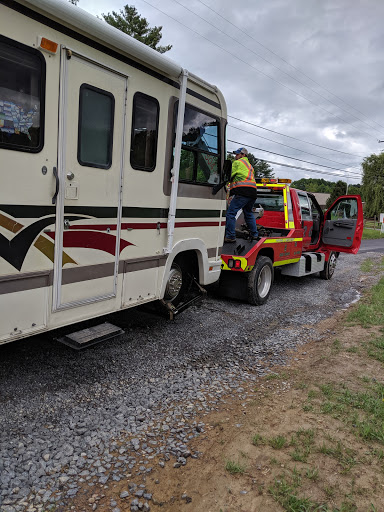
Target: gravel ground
71 421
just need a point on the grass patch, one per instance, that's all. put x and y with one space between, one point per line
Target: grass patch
277 442
362 411
371 234
375 348
234 467
370 311
257 440
344 456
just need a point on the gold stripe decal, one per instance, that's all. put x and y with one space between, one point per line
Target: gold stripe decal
282 240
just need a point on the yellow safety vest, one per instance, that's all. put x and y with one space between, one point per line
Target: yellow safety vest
242 175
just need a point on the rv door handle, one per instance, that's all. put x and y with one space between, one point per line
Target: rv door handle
56 175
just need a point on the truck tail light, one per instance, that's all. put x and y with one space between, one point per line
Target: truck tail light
234 263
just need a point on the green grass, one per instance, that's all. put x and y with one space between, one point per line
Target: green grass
370 311
277 442
344 456
370 234
257 440
234 467
362 411
285 491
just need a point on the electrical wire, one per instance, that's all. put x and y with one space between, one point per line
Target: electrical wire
295 68
294 138
296 149
306 169
254 67
297 159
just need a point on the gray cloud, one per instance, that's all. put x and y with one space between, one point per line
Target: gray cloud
338 43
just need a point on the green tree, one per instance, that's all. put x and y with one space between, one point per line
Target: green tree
129 21
262 169
314 185
338 190
355 189
373 184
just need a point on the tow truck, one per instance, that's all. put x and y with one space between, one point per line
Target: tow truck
295 236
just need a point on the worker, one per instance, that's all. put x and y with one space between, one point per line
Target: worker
242 195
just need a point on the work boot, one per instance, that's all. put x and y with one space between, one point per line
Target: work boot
229 240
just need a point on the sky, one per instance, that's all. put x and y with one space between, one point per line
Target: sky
308 69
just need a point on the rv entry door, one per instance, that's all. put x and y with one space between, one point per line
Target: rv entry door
89 181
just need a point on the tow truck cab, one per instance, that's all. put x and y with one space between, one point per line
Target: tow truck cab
295 236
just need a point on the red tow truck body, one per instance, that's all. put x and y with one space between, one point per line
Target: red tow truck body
295 236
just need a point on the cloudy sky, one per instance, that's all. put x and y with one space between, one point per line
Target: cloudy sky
308 69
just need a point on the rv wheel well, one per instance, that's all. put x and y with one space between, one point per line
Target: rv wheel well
188 261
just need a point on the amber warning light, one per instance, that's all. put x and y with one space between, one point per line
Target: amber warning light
48 45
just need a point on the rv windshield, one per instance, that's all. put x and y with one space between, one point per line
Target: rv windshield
20 96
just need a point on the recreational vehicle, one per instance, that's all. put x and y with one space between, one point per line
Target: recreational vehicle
108 155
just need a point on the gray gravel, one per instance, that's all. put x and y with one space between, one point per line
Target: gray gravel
72 423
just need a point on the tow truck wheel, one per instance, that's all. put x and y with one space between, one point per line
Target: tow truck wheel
330 266
260 281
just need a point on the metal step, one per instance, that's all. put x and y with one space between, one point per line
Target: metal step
309 263
85 338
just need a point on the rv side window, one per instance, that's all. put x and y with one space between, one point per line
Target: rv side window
95 135
199 162
145 123
22 83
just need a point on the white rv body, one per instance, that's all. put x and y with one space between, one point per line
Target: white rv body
101 195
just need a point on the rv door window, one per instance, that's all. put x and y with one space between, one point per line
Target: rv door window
95 135
145 123
200 158
22 82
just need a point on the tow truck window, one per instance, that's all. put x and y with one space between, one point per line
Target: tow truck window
270 201
304 206
22 83
200 153
346 209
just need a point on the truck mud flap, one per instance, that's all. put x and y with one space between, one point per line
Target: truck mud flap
233 285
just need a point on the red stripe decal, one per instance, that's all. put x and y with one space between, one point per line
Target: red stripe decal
92 240
138 225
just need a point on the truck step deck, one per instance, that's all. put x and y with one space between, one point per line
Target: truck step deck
239 248
85 338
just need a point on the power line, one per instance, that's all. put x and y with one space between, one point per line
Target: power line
257 69
305 169
292 158
290 137
286 145
295 68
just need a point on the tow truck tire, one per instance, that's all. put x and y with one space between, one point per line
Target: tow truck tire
330 265
260 281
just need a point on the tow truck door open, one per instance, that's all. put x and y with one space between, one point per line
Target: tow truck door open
342 228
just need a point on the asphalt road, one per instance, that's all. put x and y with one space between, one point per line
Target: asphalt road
372 245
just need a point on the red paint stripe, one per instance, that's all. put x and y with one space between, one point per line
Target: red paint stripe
92 240
138 225
196 224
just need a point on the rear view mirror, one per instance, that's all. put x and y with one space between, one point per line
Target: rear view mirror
227 170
